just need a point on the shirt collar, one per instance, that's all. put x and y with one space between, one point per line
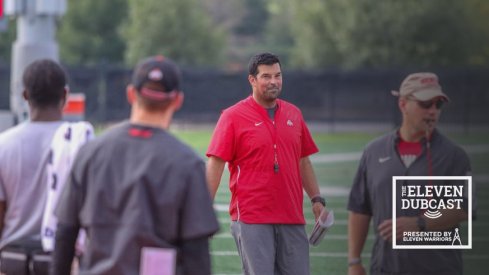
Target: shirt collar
251 101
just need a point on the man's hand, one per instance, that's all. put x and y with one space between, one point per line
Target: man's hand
317 208
403 224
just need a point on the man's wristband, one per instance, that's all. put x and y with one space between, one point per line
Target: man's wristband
354 261
319 199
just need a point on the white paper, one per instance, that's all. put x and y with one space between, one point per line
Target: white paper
158 261
324 222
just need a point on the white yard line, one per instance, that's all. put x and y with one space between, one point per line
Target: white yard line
476 148
339 255
481 178
335 158
219 207
335 191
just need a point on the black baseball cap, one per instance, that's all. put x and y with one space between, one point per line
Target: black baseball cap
157 78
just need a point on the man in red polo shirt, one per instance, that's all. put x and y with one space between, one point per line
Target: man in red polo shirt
266 144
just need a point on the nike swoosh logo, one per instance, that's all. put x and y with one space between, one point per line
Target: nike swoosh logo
382 160
258 123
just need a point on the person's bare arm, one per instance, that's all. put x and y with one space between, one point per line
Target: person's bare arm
357 234
215 167
310 184
64 251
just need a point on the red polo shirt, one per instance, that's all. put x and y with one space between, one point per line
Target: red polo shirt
253 144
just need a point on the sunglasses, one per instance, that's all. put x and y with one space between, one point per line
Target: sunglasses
429 103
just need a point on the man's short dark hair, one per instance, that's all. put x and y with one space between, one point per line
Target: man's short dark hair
261 59
45 81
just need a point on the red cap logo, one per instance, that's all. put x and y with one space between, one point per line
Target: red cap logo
428 80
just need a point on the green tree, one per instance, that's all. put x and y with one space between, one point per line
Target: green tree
479 19
180 29
7 37
372 33
255 18
90 32
278 35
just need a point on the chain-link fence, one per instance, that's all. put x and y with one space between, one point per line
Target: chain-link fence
361 96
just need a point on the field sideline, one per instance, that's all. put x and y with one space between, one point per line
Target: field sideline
335 166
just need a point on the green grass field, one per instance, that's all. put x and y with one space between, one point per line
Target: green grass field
330 256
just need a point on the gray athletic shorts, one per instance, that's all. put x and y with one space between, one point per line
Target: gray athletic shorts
272 248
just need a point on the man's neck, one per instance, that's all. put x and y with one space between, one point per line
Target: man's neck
51 114
154 119
265 104
410 135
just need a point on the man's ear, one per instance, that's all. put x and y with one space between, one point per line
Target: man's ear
252 80
25 95
178 101
64 96
402 104
131 94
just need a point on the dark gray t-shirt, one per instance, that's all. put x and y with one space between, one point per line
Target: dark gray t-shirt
371 194
135 187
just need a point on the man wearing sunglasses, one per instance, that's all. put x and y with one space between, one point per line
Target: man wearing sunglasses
417 148
420 102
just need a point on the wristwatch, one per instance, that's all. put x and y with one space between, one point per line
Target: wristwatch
318 199
421 223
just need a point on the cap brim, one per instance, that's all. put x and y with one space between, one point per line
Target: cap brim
425 95
156 95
